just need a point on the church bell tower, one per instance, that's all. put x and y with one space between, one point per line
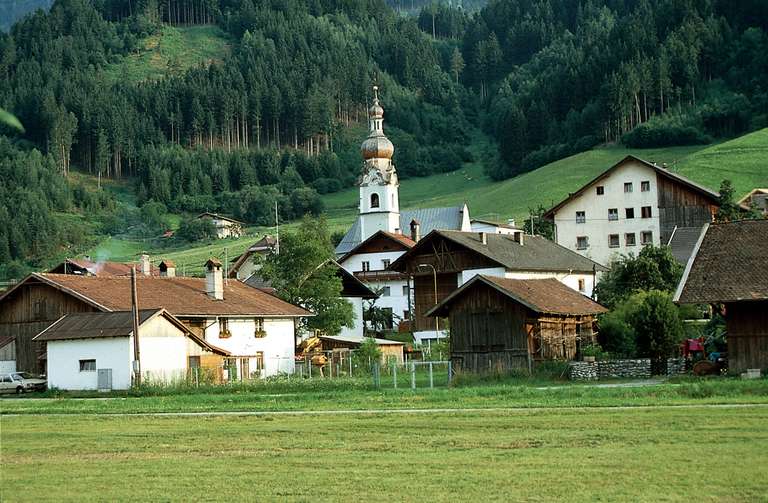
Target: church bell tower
379 198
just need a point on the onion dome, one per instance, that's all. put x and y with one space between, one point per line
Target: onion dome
377 145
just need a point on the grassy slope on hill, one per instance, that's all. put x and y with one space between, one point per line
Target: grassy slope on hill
172 50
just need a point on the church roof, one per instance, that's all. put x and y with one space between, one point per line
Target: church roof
448 219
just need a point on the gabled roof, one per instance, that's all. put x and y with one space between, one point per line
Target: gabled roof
535 254
218 217
428 218
401 241
112 324
683 241
713 196
729 264
102 268
265 244
546 296
746 199
182 296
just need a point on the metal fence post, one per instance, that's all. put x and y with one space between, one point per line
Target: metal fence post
431 381
413 376
394 374
450 372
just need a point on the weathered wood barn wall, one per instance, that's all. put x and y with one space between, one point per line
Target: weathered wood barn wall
747 329
679 206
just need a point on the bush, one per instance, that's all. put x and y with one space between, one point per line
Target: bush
367 355
667 131
196 229
657 324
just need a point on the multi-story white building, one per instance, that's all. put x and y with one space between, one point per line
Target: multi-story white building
632 204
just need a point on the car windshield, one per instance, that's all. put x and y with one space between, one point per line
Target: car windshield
23 375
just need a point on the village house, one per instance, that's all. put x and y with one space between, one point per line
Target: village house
729 269
225 227
89 351
491 227
257 328
757 198
444 260
632 204
250 261
501 324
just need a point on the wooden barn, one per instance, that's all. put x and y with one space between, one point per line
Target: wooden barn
729 269
505 324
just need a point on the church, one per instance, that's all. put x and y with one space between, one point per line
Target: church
382 233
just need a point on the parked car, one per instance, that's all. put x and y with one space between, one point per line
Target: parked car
21 382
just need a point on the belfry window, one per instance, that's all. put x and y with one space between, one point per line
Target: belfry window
374 200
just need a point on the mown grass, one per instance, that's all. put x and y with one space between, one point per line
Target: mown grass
171 51
692 454
359 394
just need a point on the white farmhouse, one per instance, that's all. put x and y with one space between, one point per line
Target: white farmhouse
225 227
88 351
632 204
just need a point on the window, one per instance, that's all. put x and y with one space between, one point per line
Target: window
374 200
630 213
645 212
646 237
613 240
600 190
629 239
645 186
193 362
385 263
582 243
224 328
388 321
258 330
406 290
628 187
582 286
366 265
406 315
613 213
385 291
581 217
87 365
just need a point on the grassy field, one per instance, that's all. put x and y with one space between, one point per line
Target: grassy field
171 51
551 454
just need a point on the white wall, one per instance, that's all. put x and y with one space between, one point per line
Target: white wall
468 274
7 366
357 311
396 300
110 353
491 229
597 226
278 346
163 349
570 280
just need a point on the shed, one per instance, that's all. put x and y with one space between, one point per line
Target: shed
82 348
729 268
389 349
507 324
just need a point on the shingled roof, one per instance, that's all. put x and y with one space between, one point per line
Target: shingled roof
729 264
536 253
112 324
181 296
545 296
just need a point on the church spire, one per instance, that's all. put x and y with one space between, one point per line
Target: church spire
377 145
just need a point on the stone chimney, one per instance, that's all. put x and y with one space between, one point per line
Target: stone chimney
415 230
484 238
167 269
214 279
517 237
145 266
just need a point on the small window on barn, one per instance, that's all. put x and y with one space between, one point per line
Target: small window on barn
645 186
87 365
224 332
582 286
613 213
628 188
374 200
582 242
613 240
39 309
600 190
581 217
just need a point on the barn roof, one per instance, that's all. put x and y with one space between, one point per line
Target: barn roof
546 296
729 264
713 196
101 268
112 324
683 241
208 214
403 241
536 253
359 340
182 296
6 339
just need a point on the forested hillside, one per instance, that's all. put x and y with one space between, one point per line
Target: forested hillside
233 106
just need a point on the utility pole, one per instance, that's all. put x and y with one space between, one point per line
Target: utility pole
135 313
277 232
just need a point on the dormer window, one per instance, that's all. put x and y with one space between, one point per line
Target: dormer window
374 200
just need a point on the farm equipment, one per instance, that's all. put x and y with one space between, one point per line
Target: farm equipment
694 351
312 348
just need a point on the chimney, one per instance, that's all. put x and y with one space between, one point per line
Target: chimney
146 266
167 269
415 230
484 238
517 237
511 222
214 279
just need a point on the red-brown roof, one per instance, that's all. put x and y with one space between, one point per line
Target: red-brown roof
181 296
103 268
547 296
402 240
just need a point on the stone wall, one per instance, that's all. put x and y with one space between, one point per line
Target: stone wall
621 369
